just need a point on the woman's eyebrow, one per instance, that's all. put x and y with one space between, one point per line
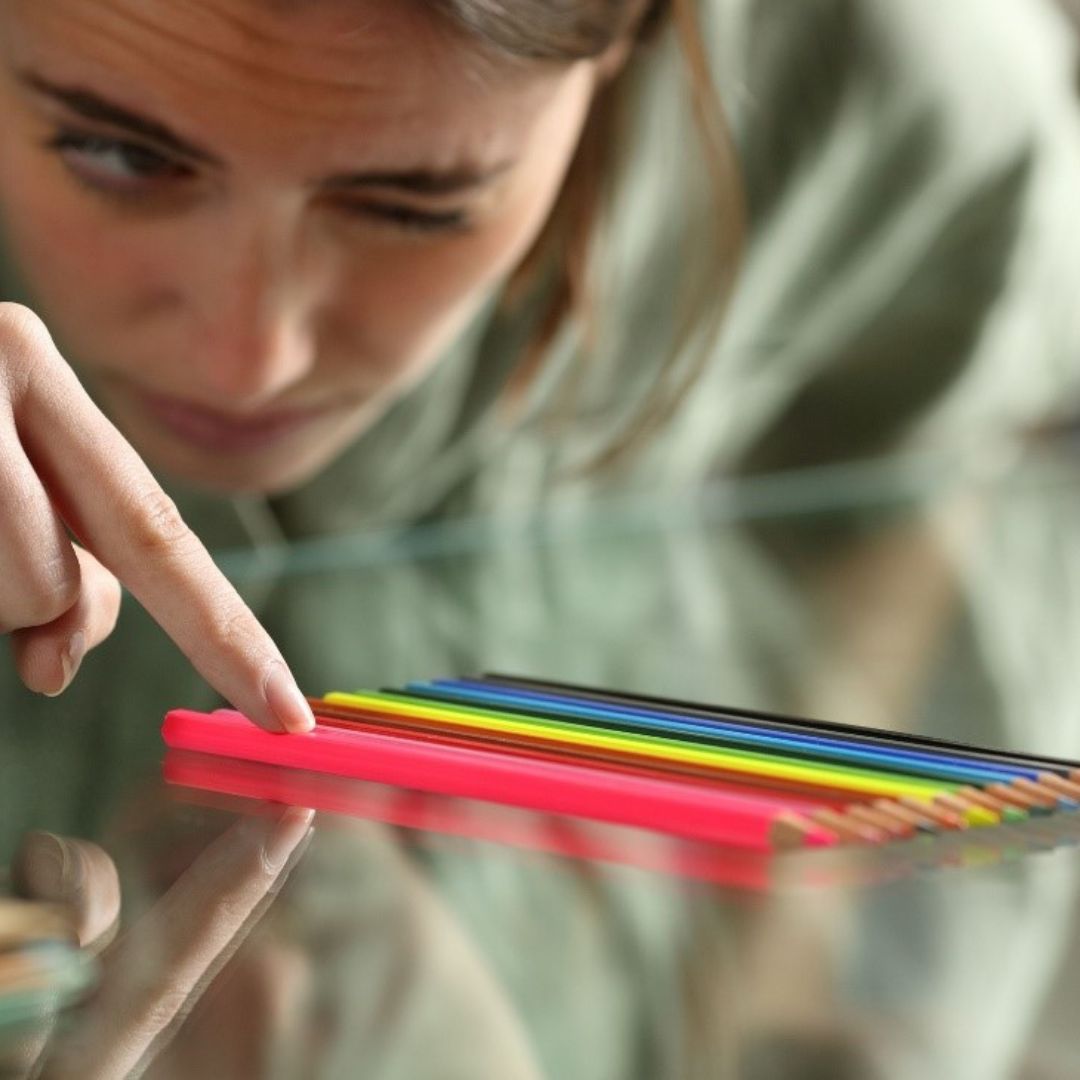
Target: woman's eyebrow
91 106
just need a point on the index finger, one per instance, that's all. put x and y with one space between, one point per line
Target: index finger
110 499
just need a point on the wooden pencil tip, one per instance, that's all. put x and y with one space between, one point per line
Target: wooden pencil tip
946 818
880 819
923 822
1056 782
1043 797
1058 799
789 832
849 828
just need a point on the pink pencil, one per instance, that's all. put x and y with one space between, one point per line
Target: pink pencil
750 821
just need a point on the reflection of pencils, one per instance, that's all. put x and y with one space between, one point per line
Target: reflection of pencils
747 820
203 776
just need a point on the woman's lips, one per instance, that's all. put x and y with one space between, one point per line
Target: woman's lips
210 430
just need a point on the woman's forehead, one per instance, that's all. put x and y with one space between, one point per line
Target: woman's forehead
305 69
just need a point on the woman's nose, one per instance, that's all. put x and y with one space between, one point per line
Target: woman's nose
256 329
249 358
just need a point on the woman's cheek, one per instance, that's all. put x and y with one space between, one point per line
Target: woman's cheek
74 258
409 299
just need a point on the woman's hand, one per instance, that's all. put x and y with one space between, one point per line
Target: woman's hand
64 468
152 975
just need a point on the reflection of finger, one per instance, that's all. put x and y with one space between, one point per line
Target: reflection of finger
258 1012
73 873
18 1054
157 971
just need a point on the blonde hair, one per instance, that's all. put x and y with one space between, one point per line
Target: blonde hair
569 30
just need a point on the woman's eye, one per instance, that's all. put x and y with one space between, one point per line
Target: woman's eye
410 218
115 164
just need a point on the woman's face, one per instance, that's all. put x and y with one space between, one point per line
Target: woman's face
255 223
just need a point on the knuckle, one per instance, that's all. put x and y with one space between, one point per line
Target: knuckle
161 1006
227 625
50 586
158 530
231 628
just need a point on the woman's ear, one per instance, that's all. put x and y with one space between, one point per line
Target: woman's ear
612 60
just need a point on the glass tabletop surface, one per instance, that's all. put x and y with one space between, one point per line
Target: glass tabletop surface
406 935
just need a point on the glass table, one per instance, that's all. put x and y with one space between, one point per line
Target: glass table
404 935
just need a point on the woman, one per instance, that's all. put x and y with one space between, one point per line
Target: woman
313 261
336 261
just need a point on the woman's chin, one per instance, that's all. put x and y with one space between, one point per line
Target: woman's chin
251 474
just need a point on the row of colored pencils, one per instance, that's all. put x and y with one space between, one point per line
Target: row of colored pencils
725 775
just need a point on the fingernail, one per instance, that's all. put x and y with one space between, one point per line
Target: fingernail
285 700
70 659
48 866
290 830
73 655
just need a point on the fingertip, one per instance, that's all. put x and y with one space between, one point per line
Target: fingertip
71 655
48 665
290 831
286 703
297 816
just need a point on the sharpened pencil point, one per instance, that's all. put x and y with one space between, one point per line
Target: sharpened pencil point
789 832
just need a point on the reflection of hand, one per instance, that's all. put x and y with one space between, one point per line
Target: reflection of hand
153 975
370 973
